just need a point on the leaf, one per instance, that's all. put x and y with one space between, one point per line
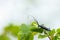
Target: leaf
42 36
52 32
24 28
25 33
58 38
4 37
29 36
13 29
34 24
58 31
55 38
39 30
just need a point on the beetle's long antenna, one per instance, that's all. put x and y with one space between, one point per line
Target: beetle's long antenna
35 20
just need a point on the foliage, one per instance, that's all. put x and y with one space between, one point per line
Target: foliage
27 32
4 37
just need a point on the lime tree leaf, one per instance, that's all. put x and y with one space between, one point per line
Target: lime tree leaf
52 32
25 33
58 31
13 29
39 30
24 28
4 37
55 37
42 36
22 36
58 38
34 24
30 36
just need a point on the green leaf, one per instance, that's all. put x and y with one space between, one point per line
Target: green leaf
29 36
25 33
52 32
58 38
42 36
4 37
55 38
39 30
34 24
58 31
13 29
24 28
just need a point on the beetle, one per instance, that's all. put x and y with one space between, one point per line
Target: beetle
41 26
